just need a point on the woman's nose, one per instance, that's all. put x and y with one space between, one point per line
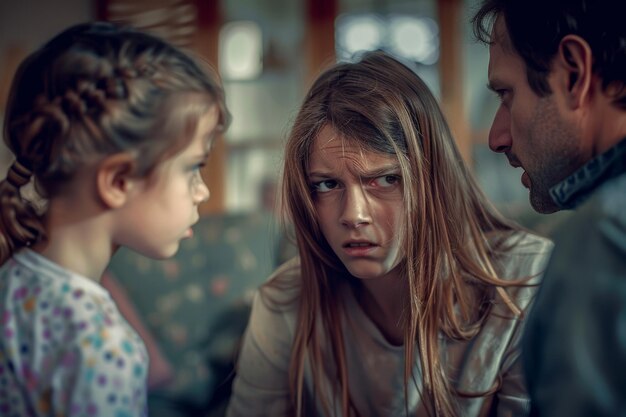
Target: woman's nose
356 210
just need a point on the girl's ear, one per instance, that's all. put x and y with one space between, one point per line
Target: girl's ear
115 179
574 62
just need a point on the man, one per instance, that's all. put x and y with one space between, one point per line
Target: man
559 68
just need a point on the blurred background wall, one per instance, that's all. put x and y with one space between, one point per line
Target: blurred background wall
268 51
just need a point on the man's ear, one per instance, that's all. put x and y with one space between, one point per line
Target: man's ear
115 179
574 62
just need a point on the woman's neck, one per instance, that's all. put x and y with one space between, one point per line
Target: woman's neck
384 301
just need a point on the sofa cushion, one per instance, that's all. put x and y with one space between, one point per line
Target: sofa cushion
196 304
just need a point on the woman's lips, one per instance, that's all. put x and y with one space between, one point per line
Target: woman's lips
359 248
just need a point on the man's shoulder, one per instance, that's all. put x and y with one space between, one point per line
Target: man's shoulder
611 198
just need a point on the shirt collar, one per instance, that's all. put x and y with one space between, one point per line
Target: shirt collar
576 188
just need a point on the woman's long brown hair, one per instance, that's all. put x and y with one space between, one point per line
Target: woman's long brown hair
383 106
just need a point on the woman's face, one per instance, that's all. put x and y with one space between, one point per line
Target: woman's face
358 198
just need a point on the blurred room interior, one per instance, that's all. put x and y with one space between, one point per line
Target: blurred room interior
267 51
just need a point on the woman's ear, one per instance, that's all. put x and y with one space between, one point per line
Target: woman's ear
574 62
115 179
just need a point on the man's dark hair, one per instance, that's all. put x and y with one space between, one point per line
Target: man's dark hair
536 27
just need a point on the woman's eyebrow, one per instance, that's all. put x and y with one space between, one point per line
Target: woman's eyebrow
379 171
320 174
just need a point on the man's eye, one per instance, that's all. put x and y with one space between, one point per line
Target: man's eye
324 186
502 94
386 181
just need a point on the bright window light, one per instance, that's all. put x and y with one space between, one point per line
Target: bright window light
241 51
411 37
359 33
414 38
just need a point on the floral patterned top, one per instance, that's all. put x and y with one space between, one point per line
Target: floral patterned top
64 347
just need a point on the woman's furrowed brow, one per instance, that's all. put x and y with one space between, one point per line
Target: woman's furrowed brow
319 174
382 170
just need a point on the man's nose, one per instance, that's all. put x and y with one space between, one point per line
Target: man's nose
500 139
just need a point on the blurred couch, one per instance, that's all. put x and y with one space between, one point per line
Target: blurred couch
191 310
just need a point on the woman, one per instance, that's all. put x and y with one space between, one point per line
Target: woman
409 290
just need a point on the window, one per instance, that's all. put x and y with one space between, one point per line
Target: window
241 51
410 37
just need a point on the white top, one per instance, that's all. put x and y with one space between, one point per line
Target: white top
65 349
376 367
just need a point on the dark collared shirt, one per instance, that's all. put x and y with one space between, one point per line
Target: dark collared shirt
576 188
574 348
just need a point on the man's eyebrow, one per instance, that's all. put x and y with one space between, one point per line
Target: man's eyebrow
492 85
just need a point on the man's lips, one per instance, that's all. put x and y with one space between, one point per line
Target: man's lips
513 160
515 163
526 180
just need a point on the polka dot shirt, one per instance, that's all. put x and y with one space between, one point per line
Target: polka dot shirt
65 350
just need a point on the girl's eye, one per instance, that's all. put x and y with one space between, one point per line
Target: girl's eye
324 186
386 181
196 174
198 167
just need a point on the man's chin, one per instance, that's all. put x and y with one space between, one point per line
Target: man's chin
542 203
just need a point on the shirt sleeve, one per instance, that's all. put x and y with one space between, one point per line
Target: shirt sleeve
575 346
512 399
261 386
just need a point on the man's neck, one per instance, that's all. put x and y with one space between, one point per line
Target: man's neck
610 127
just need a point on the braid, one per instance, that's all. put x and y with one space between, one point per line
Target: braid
18 175
19 223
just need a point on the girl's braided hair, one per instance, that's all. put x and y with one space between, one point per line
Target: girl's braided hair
94 90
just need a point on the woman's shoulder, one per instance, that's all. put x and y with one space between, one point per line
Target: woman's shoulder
282 289
526 243
274 313
523 255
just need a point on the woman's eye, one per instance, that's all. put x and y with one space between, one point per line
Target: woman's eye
325 186
386 181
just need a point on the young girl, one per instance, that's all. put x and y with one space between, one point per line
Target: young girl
112 126
408 295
